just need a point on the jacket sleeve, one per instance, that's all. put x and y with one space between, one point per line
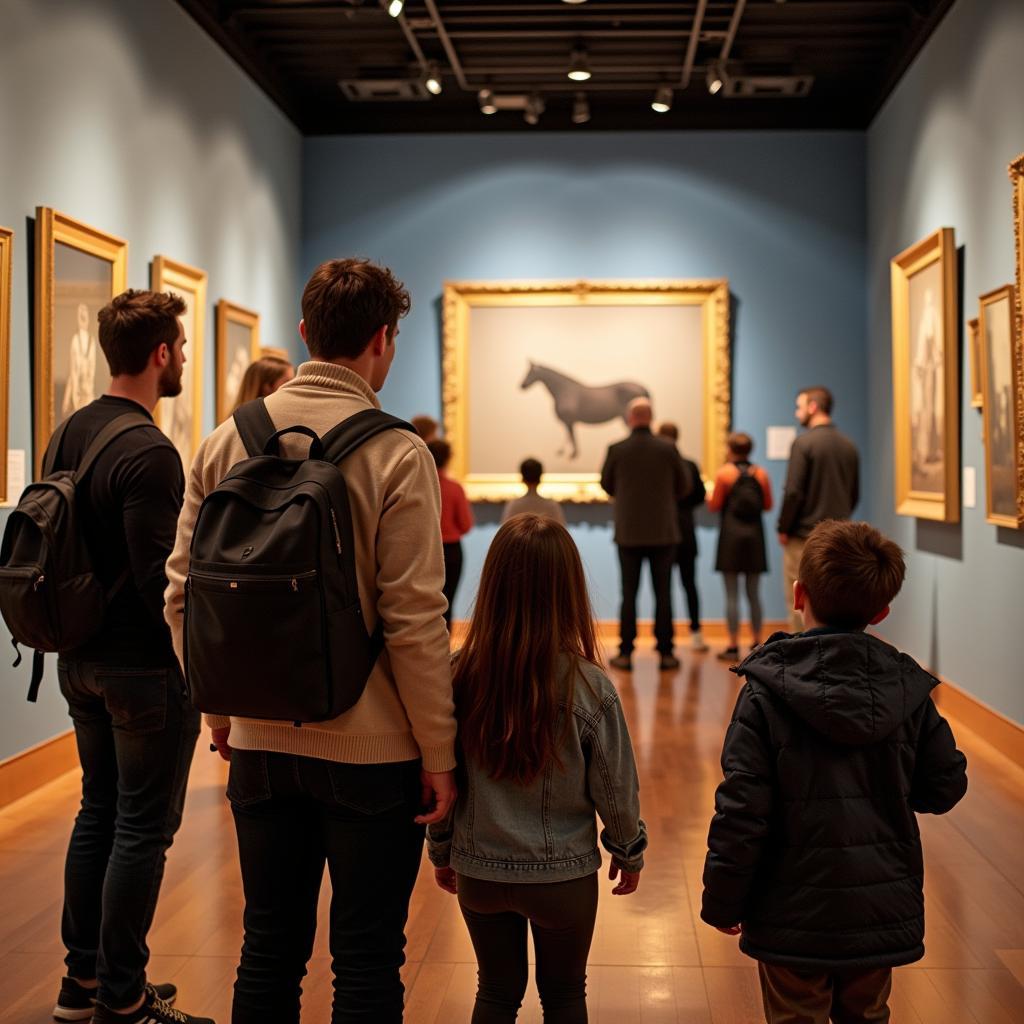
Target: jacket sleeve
608 473
743 809
794 491
696 497
940 771
614 787
683 478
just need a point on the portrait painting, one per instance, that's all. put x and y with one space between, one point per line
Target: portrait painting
238 345
181 417
999 413
926 428
548 369
78 271
6 257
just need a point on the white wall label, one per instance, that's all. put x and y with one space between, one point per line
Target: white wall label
970 487
780 440
15 474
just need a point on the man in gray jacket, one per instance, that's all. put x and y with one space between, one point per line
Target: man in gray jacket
646 476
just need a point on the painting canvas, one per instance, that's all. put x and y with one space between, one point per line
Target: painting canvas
238 345
78 271
181 417
6 245
1017 181
925 379
999 414
547 370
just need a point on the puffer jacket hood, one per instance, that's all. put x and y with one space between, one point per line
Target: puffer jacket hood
851 687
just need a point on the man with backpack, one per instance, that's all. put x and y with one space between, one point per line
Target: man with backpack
822 482
134 726
260 616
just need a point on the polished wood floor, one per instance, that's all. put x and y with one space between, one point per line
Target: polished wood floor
653 961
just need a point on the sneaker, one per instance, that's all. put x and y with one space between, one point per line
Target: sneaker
154 1010
729 654
623 662
668 662
75 1002
697 644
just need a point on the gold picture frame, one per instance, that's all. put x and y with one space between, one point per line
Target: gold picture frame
703 305
238 345
181 417
999 369
974 361
1016 171
6 260
926 420
79 269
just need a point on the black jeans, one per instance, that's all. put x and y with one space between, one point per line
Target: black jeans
452 574
686 559
292 815
631 560
136 733
561 916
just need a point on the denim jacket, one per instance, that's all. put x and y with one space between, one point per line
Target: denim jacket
503 831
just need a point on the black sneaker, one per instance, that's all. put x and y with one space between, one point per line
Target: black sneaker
668 662
623 662
76 1002
154 1010
729 654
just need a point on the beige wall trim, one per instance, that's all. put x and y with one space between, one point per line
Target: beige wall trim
36 766
1000 732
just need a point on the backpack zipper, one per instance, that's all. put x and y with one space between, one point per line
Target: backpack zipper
334 526
233 583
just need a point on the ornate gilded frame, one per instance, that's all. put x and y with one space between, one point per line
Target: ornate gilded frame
974 361
6 257
170 275
1006 293
942 506
52 228
1016 171
461 296
228 313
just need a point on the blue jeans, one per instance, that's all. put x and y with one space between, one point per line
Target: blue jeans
136 733
293 815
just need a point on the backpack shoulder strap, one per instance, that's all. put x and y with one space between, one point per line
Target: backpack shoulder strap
348 435
254 426
113 430
53 448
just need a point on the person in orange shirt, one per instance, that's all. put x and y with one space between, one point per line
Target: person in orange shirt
742 493
456 521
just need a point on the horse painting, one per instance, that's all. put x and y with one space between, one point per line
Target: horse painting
579 403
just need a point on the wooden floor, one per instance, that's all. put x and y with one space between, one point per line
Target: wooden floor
653 961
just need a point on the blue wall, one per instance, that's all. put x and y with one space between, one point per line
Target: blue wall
937 157
780 215
139 125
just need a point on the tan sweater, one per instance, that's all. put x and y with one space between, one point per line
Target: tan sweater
406 711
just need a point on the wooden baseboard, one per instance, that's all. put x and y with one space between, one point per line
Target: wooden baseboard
1000 732
32 768
713 630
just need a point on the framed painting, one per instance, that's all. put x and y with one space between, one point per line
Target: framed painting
238 345
6 256
925 374
974 360
999 354
545 369
1017 180
78 271
181 417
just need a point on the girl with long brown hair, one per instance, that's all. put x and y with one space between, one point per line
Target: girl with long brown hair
544 746
262 378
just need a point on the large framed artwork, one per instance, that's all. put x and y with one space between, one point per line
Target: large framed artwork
6 246
181 417
999 413
547 368
238 345
78 271
925 372
1017 180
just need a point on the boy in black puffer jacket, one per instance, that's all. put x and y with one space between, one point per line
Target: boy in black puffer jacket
814 854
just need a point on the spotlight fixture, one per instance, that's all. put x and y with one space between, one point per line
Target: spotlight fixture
579 66
432 79
580 109
716 77
486 99
662 102
534 108
395 7
574 1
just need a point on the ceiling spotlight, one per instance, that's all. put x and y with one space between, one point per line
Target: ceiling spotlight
580 108
534 108
716 78
432 81
395 7
486 99
579 66
574 1
662 102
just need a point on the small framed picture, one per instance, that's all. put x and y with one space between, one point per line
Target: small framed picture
6 245
974 360
238 345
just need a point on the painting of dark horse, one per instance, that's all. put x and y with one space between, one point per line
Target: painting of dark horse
580 403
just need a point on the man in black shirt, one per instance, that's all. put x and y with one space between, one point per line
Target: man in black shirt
134 726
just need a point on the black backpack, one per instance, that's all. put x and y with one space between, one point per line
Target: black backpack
50 596
746 499
273 626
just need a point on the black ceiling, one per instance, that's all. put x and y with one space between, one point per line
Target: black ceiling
299 50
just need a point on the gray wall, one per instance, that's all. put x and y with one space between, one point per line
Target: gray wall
937 156
127 116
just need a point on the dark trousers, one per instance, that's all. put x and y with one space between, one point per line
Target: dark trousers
136 733
561 916
293 815
631 560
452 574
812 997
686 559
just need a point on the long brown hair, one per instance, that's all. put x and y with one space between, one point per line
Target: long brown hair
531 623
260 379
